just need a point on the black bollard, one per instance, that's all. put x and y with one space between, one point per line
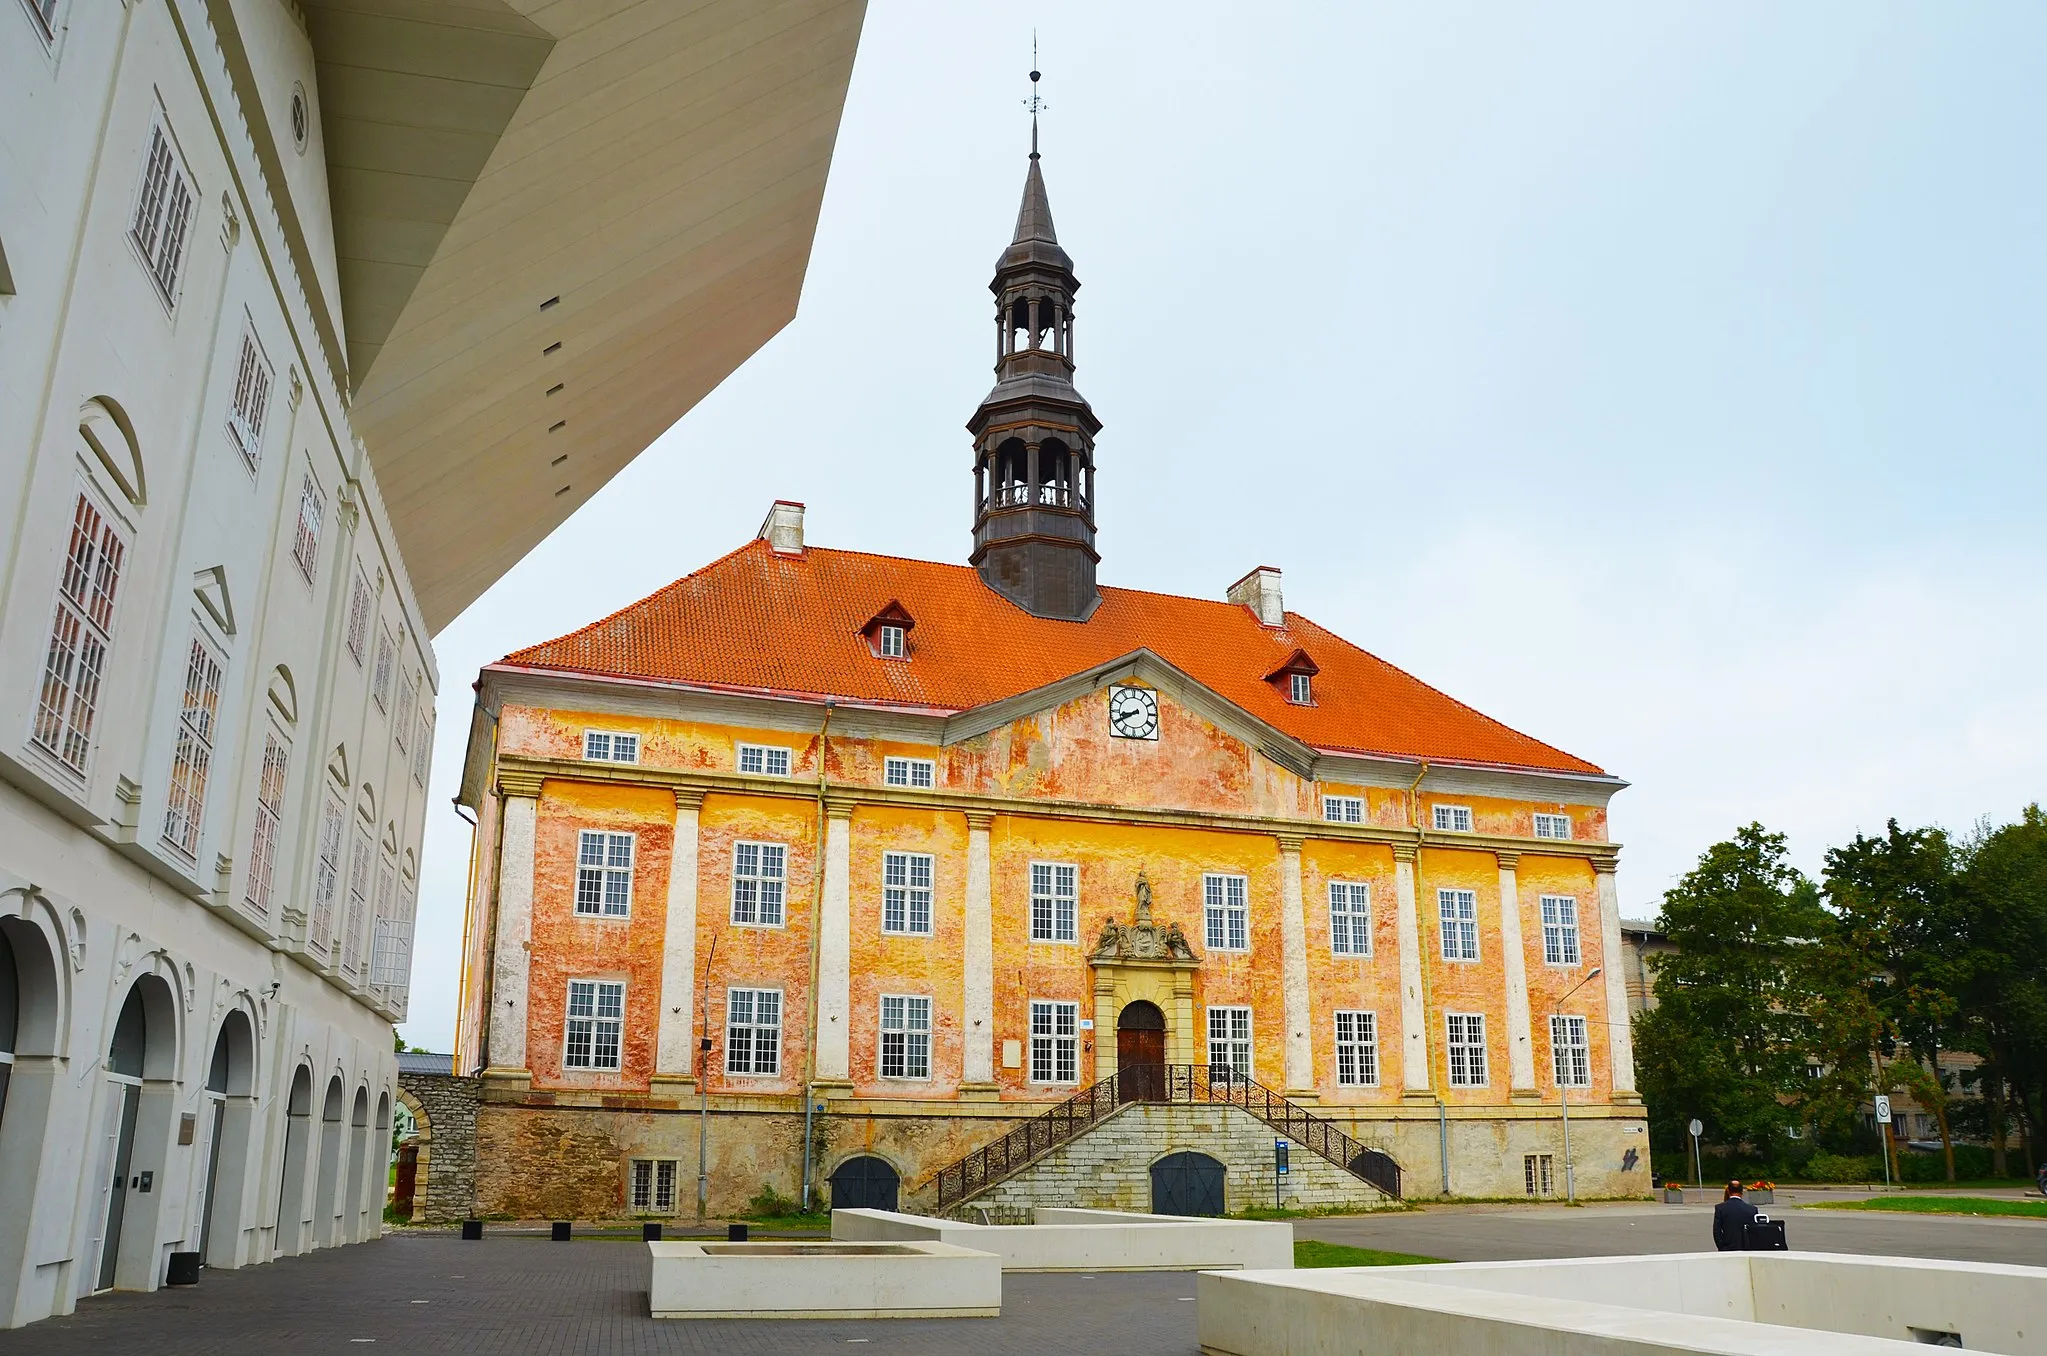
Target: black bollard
650 1233
472 1229
183 1269
735 1233
561 1231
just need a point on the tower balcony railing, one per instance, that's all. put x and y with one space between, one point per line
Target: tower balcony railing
1018 495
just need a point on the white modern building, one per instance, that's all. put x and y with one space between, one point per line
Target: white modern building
315 316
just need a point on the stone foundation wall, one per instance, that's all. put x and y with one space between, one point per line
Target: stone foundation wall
1487 1157
448 1190
1109 1167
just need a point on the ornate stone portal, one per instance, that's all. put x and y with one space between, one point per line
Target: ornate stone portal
1140 961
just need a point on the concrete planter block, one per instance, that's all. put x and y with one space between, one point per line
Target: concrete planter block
822 1280
1091 1240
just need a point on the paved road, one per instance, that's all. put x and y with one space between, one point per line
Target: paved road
1495 1234
437 1294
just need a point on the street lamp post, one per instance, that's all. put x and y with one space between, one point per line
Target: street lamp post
1564 1088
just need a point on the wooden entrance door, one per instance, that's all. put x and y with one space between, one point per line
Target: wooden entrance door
1141 1053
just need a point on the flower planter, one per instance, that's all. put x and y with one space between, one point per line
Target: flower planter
1761 1196
1673 1195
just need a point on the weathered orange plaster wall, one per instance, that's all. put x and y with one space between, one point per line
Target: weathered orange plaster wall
1464 986
749 956
1366 983
888 963
1534 878
1516 818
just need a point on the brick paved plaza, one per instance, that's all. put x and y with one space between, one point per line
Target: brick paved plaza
434 1293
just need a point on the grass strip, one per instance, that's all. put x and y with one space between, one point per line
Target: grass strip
1310 1252
1940 1205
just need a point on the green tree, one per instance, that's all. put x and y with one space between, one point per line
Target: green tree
1728 1040
2003 987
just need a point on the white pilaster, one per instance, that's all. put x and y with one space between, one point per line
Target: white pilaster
978 1034
513 955
1293 949
1620 1040
1514 968
675 1052
835 948
1414 1035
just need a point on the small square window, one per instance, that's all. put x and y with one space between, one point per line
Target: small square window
1299 689
763 760
892 642
1453 818
1553 826
914 772
1343 809
609 746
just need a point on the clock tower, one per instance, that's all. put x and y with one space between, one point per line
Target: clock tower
1034 435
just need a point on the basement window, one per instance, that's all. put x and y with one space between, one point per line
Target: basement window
653 1186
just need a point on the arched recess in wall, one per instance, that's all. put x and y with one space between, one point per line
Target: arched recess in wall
327 1194
355 1211
6 273
109 433
293 1225
284 696
32 1022
228 1112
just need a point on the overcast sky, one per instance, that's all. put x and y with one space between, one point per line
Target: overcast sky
1664 380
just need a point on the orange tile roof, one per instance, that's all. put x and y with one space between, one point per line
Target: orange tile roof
790 624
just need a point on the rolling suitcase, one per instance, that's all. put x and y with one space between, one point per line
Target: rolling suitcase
1764 1234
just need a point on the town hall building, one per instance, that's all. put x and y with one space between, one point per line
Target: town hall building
944 884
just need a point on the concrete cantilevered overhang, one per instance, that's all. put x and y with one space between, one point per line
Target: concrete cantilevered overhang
558 225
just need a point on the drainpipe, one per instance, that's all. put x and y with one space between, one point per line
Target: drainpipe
816 916
1414 817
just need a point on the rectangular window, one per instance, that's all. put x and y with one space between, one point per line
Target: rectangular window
269 815
380 679
1055 1042
1553 826
764 760
382 938
305 539
604 874
653 1186
1570 1055
753 1031
1055 897
192 756
1357 1049
919 772
45 14
391 950
408 702
1343 809
79 637
359 601
1536 1173
1299 689
905 1036
1225 916
906 893
249 403
1458 910
1453 818
1229 1043
596 1022
358 901
610 746
1350 918
422 748
892 642
759 873
162 213
1466 1031
1560 930
327 871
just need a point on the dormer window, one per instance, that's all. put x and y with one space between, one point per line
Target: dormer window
888 631
1296 678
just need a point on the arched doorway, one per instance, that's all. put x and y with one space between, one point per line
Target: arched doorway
327 1191
865 1183
380 1157
32 1025
292 1232
140 1048
230 1079
1141 1053
1187 1183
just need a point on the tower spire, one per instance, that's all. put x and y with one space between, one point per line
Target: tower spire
1035 102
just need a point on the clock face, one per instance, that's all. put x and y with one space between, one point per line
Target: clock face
1133 713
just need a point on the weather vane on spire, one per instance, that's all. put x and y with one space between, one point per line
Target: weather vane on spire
1034 103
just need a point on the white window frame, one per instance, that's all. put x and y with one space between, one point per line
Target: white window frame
1557 828
1234 1038
1300 689
198 722
44 14
271 777
1055 902
1343 809
1570 1044
905 902
327 866
165 201
903 1038
248 403
305 537
605 1015
1560 939
81 636
422 749
611 746
769 756
920 774
1457 924
650 1182
604 873
1451 818
362 604
1225 911
753 883
1538 1174
1357 1048
756 1031
360 864
891 642
1055 1042
1350 915
387 660
1464 1047
408 705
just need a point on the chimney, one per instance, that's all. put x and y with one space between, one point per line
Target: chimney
783 528
1259 591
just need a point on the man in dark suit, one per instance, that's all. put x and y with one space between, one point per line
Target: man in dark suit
1731 1219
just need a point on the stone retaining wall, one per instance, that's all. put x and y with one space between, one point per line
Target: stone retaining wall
446 1189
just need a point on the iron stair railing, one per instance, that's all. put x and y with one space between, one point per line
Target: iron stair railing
1154 1084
